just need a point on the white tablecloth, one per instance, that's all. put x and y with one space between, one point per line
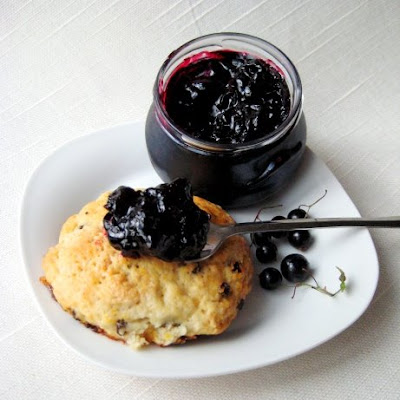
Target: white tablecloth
71 67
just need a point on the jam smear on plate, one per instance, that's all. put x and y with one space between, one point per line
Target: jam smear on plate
163 221
227 97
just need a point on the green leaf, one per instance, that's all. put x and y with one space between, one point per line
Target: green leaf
342 279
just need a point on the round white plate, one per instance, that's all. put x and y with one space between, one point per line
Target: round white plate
271 326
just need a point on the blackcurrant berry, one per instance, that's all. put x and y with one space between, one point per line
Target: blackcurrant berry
278 234
270 278
266 253
300 239
297 213
260 238
294 268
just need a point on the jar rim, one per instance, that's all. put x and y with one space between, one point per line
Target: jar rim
203 145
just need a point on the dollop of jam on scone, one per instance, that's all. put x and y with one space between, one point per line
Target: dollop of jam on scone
163 221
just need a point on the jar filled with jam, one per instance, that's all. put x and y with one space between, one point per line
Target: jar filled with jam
227 115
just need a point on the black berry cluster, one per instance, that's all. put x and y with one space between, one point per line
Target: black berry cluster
294 267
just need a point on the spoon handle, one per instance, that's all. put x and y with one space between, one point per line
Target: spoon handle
298 224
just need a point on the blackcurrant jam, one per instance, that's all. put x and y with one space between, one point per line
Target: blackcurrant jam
227 97
163 221
227 115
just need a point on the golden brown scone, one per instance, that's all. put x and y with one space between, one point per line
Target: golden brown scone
145 300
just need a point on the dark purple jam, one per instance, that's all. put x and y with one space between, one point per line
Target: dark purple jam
227 97
163 221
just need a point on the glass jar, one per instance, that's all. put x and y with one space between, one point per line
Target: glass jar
233 174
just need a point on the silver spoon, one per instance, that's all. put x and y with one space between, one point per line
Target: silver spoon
219 233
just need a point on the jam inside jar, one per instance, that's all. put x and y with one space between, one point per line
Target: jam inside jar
227 115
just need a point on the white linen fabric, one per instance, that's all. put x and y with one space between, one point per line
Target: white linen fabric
71 67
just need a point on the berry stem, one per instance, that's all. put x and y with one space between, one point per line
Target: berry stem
308 206
324 290
257 217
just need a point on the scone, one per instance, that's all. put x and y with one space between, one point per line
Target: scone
145 300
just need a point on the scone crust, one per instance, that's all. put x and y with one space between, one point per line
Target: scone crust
145 300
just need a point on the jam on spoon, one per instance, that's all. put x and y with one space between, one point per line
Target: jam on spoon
163 221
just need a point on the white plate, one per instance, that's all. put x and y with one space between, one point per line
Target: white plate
271 326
